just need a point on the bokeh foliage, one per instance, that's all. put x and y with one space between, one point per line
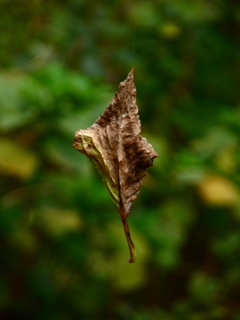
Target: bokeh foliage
63 252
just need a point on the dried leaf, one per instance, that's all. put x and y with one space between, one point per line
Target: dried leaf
119 153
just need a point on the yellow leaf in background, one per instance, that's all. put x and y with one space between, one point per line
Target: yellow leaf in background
24 239
170 30
16 161
57 221
218 191
226 159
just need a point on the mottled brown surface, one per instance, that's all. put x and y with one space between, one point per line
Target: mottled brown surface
117 132
119 153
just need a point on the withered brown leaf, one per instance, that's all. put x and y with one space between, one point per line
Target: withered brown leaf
119 153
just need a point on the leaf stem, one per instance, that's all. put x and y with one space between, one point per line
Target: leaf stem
131 247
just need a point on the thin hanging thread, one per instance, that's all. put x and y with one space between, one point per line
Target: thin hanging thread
133 48
30 62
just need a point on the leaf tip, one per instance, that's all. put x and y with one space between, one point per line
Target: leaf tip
133 255
131 75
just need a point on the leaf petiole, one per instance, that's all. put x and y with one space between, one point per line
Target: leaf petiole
131 246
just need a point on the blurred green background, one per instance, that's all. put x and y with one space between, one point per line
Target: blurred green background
63 251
